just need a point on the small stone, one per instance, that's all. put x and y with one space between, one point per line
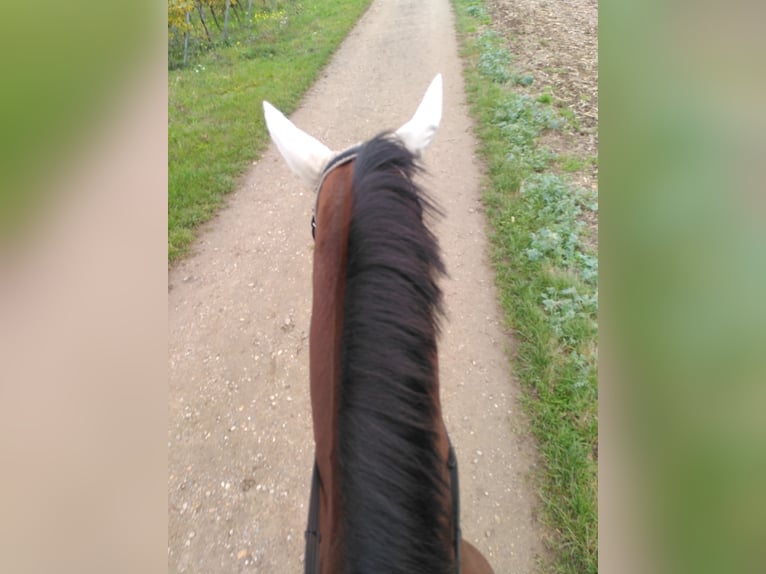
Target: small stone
241 554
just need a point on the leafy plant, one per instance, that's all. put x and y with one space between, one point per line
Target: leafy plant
494 60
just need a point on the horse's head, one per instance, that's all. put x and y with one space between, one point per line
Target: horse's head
307 157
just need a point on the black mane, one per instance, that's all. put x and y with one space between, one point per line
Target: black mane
392 486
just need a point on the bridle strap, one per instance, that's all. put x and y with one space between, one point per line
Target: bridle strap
313 537
347 155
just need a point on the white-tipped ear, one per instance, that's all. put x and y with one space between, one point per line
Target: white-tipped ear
419 132
305 155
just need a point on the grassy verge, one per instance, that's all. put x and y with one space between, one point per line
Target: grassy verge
547 276
215 120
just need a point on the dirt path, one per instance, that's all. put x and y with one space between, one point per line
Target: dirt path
239 437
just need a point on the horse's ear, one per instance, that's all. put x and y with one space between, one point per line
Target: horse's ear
305 155
419 132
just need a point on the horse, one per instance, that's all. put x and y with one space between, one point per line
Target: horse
384 494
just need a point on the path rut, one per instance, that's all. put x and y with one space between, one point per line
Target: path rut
240 444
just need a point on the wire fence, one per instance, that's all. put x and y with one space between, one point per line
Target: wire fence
196 26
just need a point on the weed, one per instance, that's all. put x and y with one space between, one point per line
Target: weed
564 307
476 10
572 163
569 116
495 60
523 79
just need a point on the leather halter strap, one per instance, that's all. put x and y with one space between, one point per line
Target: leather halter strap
347 155
313 536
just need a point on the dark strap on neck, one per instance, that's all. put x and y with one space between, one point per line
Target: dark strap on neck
311 560
455 487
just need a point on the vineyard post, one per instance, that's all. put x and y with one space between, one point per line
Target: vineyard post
186 39
226 20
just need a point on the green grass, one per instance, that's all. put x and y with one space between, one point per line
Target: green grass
547 278
215 119
573 163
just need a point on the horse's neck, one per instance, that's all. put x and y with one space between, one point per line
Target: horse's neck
333 211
